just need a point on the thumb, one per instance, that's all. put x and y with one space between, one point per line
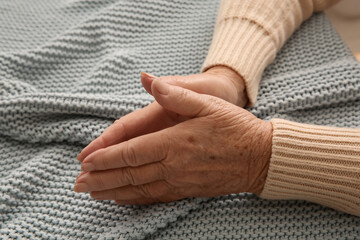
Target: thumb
180 100
146 80
195 82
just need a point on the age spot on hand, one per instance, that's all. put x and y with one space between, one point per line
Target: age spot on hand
212 157
191 139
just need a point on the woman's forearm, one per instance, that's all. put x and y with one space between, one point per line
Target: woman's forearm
315 163
248 34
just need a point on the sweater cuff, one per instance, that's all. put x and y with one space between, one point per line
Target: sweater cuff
315 163
245 47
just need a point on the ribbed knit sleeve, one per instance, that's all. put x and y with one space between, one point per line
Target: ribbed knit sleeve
315 163
248 33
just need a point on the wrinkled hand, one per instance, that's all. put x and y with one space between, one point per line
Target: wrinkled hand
220 149
218 81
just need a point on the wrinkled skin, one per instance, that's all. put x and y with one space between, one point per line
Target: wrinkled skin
218 81
183 145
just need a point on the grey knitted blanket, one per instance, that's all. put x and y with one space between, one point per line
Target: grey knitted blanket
69 68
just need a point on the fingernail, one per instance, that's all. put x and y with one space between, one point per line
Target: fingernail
97 195
147 75
87 167
82 173
82 177
81 187
78 157
162 87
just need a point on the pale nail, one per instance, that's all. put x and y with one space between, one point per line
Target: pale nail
81 187
82 177
82 173
97 196
87 167
148 75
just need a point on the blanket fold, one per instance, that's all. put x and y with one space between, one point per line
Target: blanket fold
68 69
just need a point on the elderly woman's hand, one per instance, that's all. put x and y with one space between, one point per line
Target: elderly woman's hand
220 149
218 81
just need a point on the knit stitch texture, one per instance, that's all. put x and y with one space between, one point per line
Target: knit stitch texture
68 69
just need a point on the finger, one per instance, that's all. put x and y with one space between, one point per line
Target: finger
149 148
103 180
158 191
140 122
199 83
146 80
182 101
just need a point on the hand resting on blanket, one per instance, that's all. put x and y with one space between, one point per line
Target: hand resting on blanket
185 144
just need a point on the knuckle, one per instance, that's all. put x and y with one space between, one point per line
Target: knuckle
144 191
214 101
129 176
119 178
183 94
103 140
161 191
106 164
163 170
166 193
129 155
120 125
99 181
166 138
102 160
165 146
216 106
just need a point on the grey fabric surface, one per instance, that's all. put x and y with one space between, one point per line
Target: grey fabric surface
69 68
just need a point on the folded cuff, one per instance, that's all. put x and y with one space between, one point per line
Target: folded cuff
315 163
243 46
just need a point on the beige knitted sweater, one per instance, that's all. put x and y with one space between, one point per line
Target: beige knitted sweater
308 162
